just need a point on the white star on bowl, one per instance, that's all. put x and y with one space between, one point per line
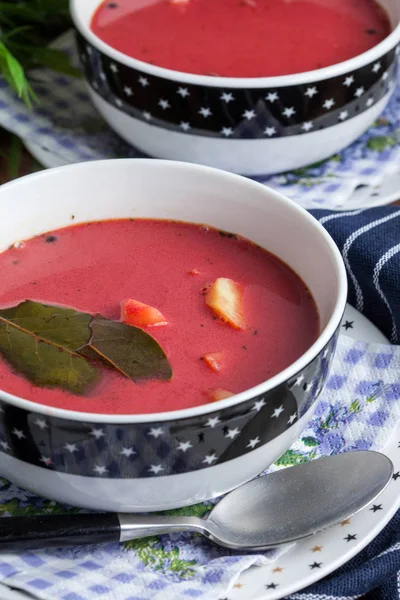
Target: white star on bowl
156 432
226 131
205 111
289 112
328 103
253 443
272 96
156 469
348 81
249 114
127 452
19 433
97 433
311 91
183 92
227 97
209 459
270 131
100 470
163 103
307 126
299 379
259 405
212 422
184 446
277 412
71 448
232 433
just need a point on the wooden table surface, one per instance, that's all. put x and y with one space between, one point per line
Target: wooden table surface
15 161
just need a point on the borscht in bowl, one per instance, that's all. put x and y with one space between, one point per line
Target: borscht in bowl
165 331
241 38
251 86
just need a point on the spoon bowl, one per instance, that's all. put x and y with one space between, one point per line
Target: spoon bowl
297 502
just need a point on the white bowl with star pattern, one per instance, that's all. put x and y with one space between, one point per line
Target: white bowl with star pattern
252 126
171 459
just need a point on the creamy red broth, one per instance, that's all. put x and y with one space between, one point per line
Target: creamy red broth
241 38
94 266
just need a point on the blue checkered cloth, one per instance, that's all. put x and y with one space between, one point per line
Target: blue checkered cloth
369 241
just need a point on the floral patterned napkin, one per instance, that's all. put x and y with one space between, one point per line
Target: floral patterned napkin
68 126
358 409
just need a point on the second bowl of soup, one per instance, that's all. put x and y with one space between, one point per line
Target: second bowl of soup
253 86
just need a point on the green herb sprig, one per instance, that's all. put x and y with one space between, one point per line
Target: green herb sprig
26 29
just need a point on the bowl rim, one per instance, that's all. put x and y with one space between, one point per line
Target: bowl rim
280 378
305 77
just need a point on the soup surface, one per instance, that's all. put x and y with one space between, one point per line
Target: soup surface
93 267
241 38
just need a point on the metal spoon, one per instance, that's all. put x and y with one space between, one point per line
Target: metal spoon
282 507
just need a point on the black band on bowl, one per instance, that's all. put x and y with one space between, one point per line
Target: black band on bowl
228 113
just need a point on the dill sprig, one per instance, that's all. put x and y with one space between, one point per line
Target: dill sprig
26 28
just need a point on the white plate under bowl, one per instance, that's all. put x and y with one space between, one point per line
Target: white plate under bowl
330 549
368 196
43 156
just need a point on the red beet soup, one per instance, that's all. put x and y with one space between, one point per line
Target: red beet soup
241 38
227 313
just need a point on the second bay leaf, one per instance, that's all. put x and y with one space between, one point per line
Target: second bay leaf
130 350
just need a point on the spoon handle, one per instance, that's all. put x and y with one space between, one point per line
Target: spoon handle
26 533
57 531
